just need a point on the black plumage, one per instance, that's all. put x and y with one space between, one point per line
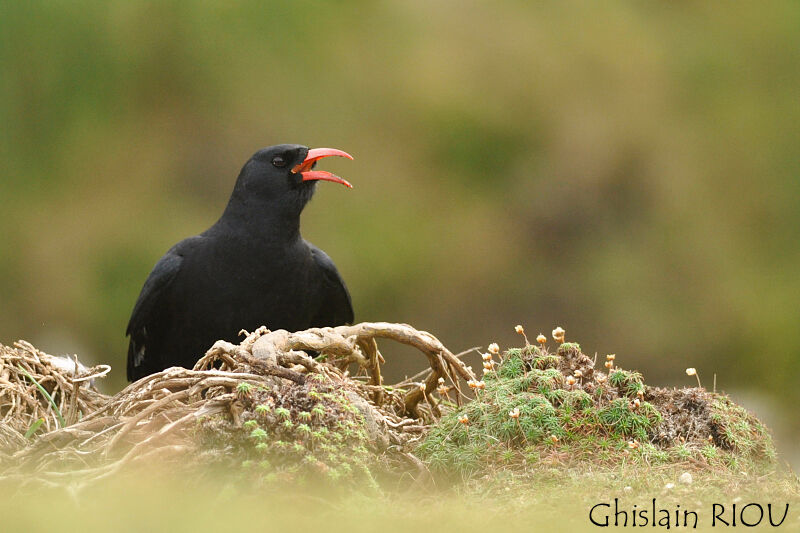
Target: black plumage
251 268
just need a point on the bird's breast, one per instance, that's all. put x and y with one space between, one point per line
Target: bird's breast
244 284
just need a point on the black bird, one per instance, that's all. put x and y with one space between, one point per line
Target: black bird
251 268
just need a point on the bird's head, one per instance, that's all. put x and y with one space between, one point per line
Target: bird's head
284 176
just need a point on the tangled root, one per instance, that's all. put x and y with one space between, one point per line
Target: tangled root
158 414
43 393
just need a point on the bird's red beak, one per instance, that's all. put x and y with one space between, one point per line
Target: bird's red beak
313 155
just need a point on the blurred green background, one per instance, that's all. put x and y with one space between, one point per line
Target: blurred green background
626 171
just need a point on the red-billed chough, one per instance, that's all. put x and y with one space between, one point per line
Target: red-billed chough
251 268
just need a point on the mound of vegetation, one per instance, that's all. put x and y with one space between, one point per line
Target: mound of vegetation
535 407
266 412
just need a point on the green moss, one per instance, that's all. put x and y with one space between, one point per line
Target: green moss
311 429
573 399
628 383
602 420
512 366
569 347
624 420
545 360
258 433
739 431
244 388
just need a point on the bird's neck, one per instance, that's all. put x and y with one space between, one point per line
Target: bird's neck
273 222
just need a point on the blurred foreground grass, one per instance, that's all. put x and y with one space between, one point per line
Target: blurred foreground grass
554 500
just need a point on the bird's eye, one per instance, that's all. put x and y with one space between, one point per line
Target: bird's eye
278 161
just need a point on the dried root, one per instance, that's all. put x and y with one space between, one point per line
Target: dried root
41 393
159 414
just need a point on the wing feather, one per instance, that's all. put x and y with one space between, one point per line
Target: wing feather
338 307
144 312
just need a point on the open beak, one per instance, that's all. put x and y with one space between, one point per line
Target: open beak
313 155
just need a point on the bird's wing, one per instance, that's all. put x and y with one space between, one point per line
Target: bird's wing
149 300
338 308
